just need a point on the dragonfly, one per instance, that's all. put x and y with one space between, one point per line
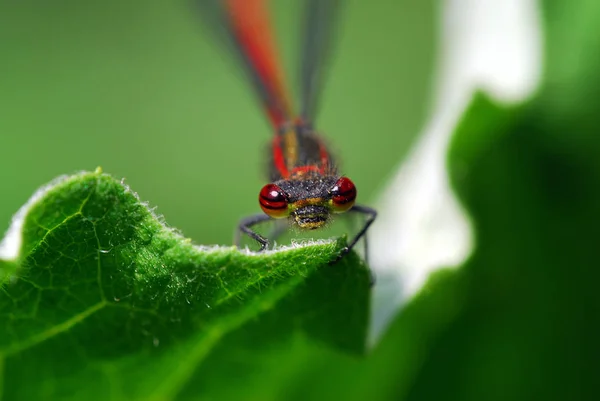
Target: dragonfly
305 186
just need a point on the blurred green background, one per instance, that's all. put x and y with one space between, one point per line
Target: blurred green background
139 88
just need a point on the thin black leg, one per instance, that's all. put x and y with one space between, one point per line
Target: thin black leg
370 214
245 227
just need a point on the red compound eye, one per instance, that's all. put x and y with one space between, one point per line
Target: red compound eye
273 201
344 195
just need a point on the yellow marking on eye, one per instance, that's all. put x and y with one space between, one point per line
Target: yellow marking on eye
339 208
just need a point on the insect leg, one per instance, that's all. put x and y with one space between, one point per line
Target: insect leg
245 227
370 214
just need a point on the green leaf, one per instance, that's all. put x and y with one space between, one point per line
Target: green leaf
109 303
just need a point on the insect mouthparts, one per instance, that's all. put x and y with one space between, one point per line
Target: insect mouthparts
311 217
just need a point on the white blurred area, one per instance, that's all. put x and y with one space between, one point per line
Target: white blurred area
10 245
490 45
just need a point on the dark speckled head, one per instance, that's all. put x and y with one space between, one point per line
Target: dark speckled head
309 200
305 186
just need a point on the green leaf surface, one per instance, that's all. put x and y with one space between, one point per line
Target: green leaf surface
109 303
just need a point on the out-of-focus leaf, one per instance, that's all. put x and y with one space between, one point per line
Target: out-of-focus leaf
530 177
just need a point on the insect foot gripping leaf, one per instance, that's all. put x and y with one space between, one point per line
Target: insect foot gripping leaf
100 300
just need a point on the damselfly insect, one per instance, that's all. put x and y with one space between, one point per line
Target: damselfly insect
305 187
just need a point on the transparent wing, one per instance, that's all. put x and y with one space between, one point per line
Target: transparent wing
243 27
320 25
